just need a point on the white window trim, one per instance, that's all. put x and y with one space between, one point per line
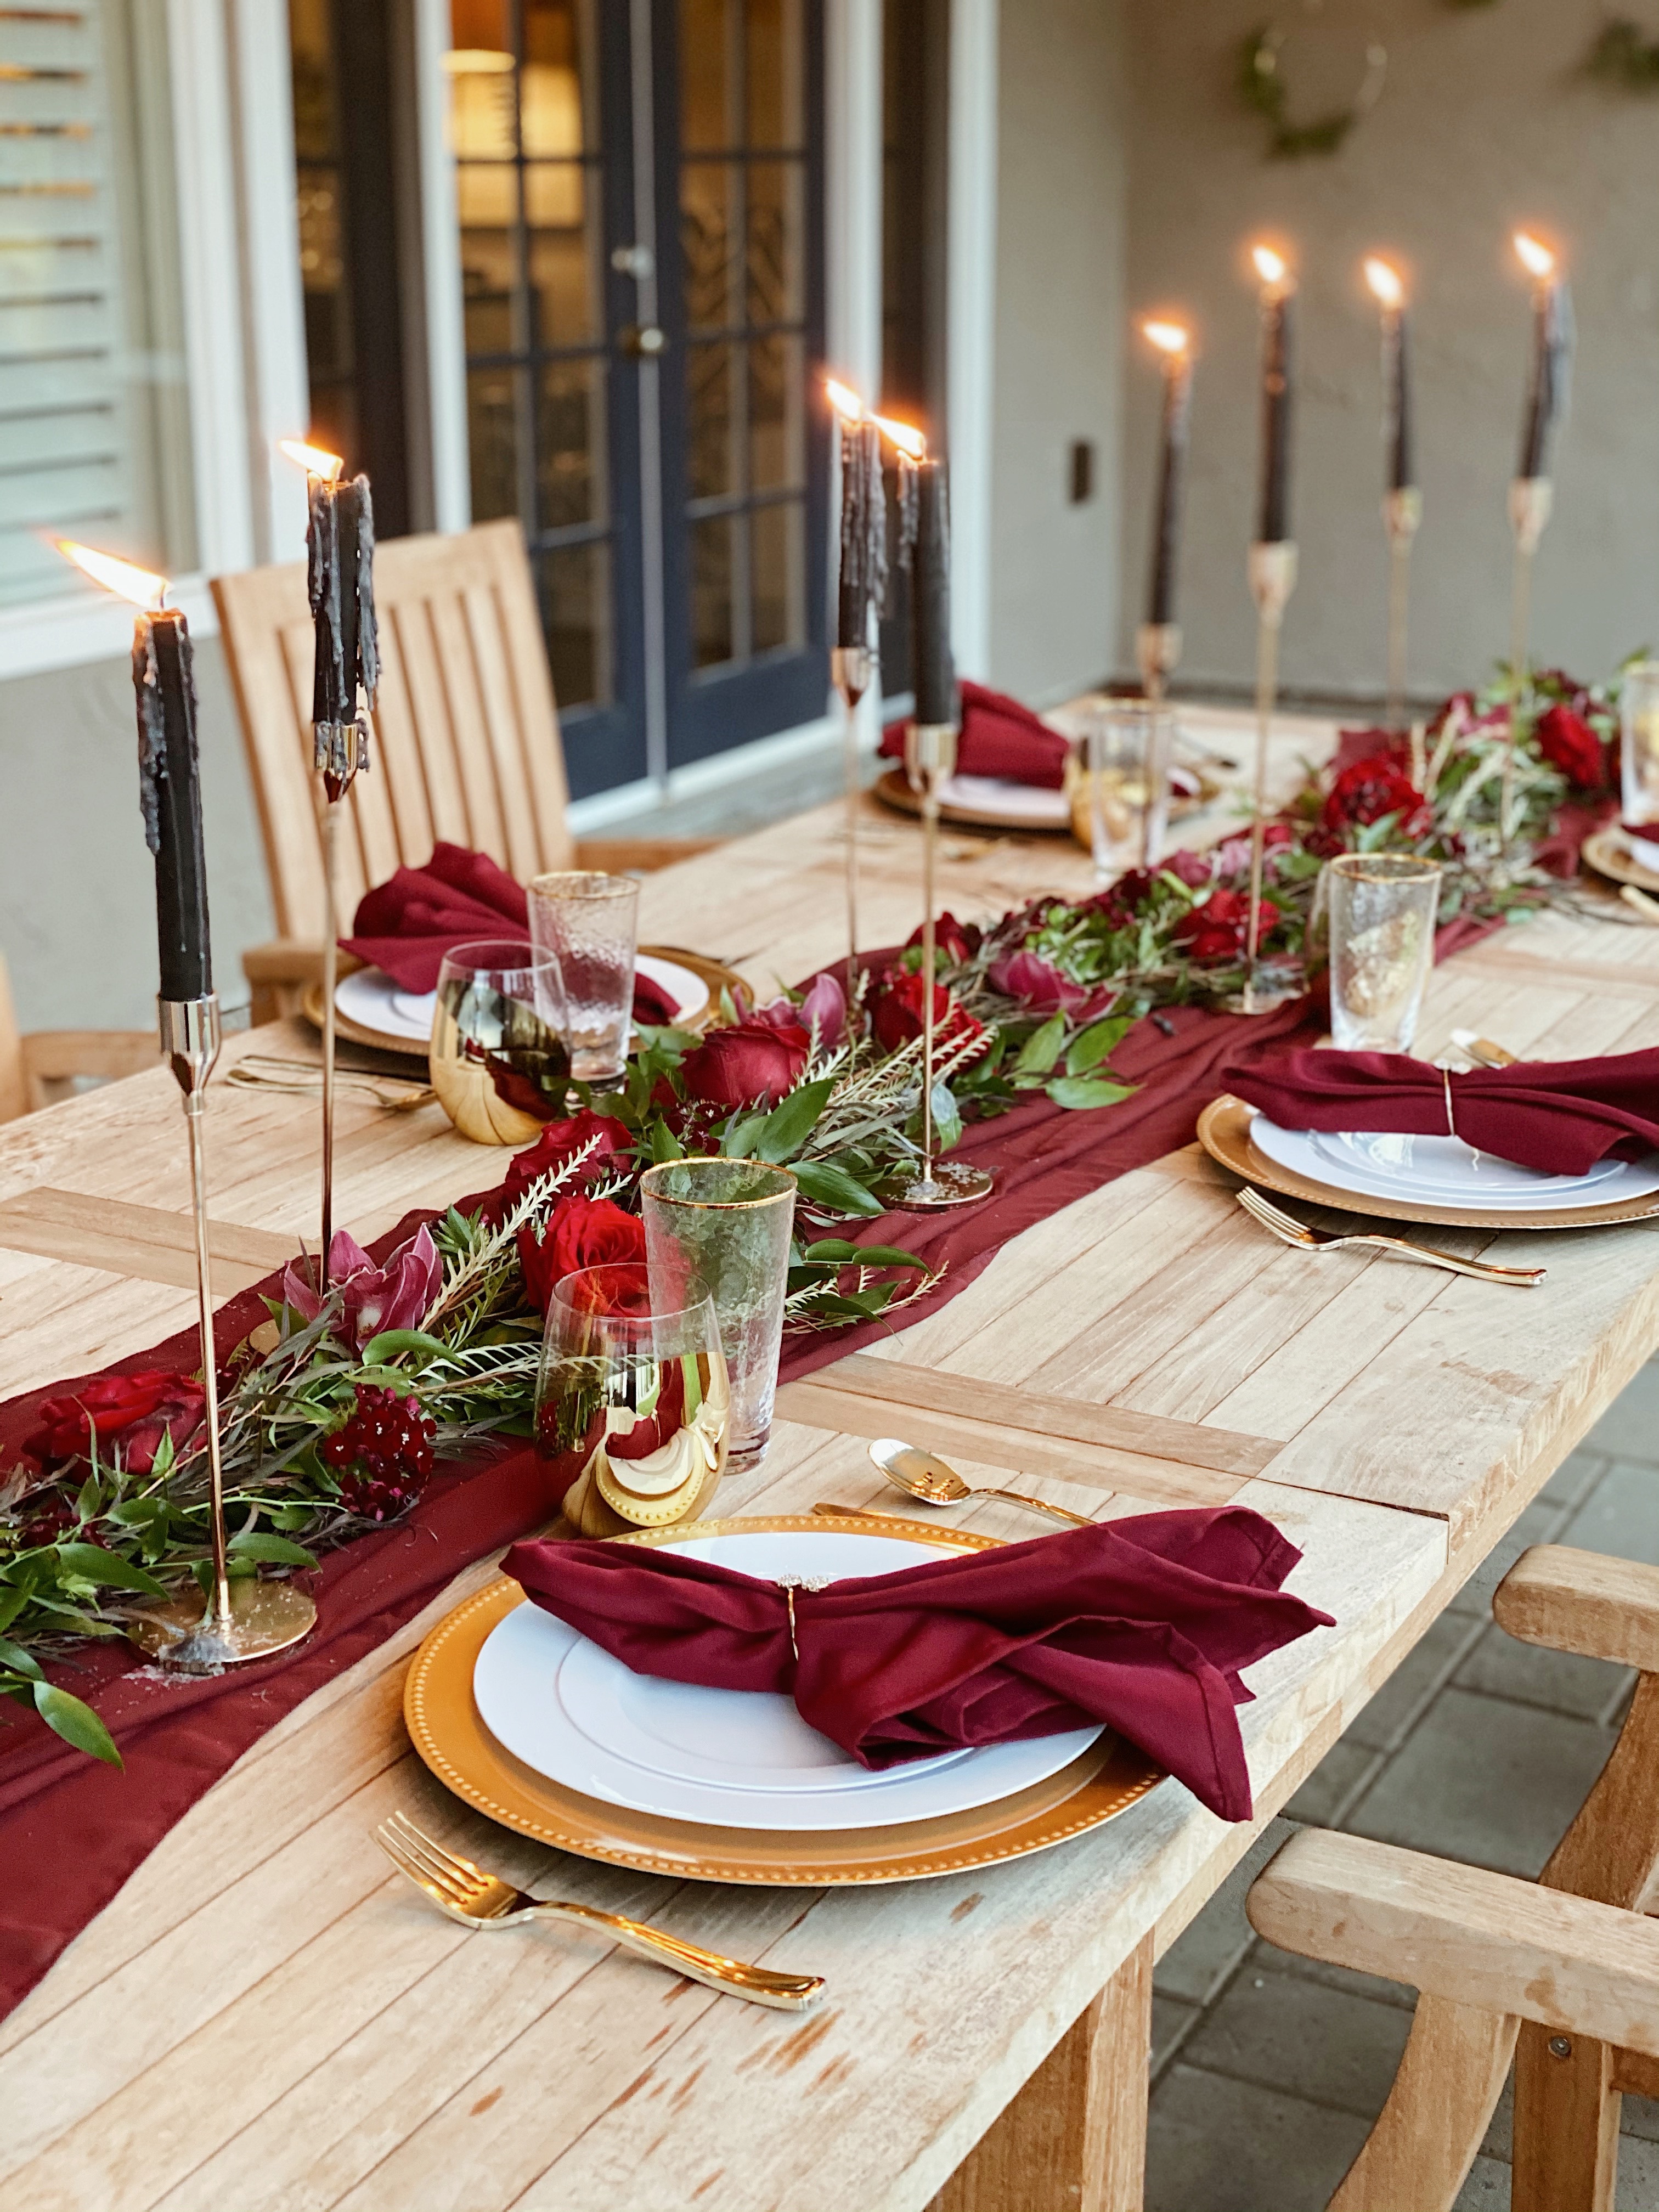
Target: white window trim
971 320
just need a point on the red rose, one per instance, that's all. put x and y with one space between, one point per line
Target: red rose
1368 790
1219 929
895 1012
956 942
750 1063
1567 742
582 1232
561 1141
140 1409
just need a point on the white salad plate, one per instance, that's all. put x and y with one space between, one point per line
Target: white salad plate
739 1759
1444 1171
369 998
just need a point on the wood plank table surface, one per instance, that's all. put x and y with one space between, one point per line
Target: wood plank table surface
266 2018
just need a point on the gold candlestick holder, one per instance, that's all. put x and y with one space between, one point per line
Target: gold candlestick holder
851 668
1272 573
1402 512
930 756
236 1621
1530 500
1158 652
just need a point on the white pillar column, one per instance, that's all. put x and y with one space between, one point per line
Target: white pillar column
970 324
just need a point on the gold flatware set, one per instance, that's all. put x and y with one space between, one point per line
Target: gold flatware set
1289 1231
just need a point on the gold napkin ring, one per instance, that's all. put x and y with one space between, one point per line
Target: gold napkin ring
789 1584
1451 1125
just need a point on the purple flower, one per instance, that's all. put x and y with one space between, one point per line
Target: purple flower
825 1008
395 1295
1040 985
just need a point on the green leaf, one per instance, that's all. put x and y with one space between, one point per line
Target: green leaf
20 1662
12 1602
792 1120
832 1186
75 1723
742 1135
275 1551
1078 1092
885 1255
91 1563
390 1341
1042 1048
1091 1046
831 1248
947 1118
664 1145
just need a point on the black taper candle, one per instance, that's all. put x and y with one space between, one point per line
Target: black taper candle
863 532
1171 477
1397 400
323 583
933 671
1546 395
170 795
1273 518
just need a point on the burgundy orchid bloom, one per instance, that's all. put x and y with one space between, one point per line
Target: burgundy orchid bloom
1038 984
373 1299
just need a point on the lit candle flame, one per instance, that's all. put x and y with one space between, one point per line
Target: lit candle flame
123 578
1385 282
910 442
845 401
1272 268
1167 337
1535 257
312 459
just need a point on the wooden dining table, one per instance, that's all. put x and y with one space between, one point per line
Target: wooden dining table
267 2018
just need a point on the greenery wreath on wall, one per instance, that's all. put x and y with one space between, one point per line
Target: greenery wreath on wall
1264 89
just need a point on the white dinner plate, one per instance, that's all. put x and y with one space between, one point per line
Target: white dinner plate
1444 1171
370 998
735 1759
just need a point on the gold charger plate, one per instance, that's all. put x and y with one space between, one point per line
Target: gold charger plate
446 1730
1224 1130
893 789
713 973
1609 855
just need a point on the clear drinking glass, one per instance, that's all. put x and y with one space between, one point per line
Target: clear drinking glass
1123 794
632 1403
728 1223
498 1058
586 924
1383 909
1638 752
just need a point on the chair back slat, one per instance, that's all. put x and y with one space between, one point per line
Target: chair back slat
14 1097
467 734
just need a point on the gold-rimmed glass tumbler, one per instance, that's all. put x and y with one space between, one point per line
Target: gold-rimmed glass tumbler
1382 911
1121 804
728 1224
586 924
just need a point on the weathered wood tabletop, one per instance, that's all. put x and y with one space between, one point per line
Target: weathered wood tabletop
265 2018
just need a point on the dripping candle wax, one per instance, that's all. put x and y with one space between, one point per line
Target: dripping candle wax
1552 349
1173 346
340 579
863 583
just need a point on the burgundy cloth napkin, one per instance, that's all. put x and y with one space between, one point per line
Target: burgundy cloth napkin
407 924
1560 1116
999 737
1142 1623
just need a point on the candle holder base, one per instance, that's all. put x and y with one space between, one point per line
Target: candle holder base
1157 651
1265 995
265 1617
943 1184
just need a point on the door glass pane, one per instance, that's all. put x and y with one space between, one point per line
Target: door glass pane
775 109
493 443
711 640
713 375
705 57
570 444
550 104
563 265
777 414
710 196
775 242
778 567
574 585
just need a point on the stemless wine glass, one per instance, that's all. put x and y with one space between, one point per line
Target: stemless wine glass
1383 909
728 1223
498 1058
633 1407
586 923
1638 756
1123 798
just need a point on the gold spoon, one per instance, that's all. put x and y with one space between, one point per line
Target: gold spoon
923 1474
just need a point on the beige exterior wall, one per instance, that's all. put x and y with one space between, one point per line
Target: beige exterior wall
1486 122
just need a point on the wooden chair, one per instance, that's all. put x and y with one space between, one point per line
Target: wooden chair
466 729
37 1069
1563 1974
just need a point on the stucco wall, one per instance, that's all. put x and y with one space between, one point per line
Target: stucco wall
1485 123
1059 342
77 896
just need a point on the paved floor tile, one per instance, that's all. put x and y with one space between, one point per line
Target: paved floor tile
1170 2021
1217 2145
1539 1524
1630 1427
1209 1946
1621 1514
1486 2188
1501 1666
1266 1958
1386 1720
1306 2037
1577 1473
1641 2117
1481 1780
1328 1791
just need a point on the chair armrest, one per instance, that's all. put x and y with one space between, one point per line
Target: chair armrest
622 856
1459 1932
277 975
1583 1601
59 1055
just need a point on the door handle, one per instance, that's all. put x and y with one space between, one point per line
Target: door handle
644 342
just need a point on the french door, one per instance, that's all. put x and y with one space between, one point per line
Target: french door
640 186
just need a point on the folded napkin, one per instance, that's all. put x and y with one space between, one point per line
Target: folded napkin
1143 1624
1001 738
1560 1116
407 924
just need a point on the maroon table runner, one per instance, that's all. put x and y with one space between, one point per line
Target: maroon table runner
72 1830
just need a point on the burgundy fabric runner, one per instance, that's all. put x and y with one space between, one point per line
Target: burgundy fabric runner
1143 1623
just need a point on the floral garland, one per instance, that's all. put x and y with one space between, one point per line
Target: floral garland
1262 88
338 1409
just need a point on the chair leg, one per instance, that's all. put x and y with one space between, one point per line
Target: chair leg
1076 2134
1566 2123
1426 2136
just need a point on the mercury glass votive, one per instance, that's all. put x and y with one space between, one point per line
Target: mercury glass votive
497 1056
1382 911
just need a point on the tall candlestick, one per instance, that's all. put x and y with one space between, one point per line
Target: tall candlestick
1278 289
1531 494
1158 643
933 667
1402 502
862 588
170 795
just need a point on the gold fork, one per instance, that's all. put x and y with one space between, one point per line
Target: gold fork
477 1900
1289 1231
